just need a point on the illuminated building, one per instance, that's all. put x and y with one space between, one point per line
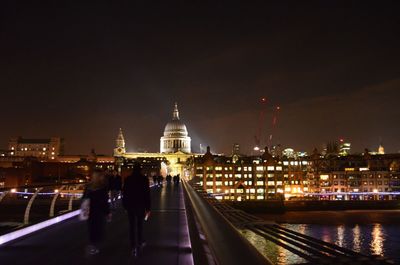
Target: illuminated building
381 150
44 149
351 177
175 138
344 148
175 148
249 177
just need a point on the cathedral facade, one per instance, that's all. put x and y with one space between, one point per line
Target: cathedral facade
175 147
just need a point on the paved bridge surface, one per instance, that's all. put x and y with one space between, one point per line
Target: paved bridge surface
166 233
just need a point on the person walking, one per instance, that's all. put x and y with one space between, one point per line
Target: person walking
136 201
115 188
96 194
155 180
160 180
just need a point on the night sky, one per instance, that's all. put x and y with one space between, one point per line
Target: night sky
81 71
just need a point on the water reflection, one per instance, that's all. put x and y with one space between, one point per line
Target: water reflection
357 238
276 254
340 236
370 239
377 240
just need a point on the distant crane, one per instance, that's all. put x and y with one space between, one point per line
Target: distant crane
275 114
257 137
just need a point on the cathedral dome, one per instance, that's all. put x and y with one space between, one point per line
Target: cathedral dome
176 137
175 128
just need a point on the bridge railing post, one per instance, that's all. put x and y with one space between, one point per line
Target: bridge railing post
29 206
53 201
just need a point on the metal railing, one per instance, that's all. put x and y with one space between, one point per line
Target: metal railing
310 249
24 206
227 245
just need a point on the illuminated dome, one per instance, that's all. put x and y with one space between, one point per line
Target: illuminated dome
175 127
175 135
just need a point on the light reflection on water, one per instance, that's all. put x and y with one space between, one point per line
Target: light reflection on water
371 239
276 254
377 240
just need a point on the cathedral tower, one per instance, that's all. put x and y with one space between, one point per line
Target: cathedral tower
119 149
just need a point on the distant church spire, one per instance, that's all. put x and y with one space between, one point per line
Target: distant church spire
119 144
175 114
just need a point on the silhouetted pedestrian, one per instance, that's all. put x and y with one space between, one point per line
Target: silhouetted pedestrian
115 183
168 178
160 180
155 180
136 201
96 194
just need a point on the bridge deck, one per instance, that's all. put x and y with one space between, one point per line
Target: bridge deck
166 233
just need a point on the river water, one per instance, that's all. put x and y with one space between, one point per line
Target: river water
347 230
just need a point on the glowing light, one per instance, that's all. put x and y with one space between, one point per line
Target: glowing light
36 227
56 191
13 190
376 245
324 177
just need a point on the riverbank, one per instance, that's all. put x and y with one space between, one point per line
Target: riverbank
280 207
349 217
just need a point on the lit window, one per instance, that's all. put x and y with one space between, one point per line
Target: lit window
324 177
270 168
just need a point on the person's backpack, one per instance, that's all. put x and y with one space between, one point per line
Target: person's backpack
85 209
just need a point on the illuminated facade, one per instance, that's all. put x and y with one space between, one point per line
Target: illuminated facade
176 137
175 147
250 178
44 149
351 177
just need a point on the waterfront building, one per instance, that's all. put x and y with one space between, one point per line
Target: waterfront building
351 177
249 177
44 149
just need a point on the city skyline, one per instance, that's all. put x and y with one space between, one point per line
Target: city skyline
332 70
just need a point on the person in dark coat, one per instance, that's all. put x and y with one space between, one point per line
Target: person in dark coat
97 193
155 180
115 188
168 178
160 180
136 201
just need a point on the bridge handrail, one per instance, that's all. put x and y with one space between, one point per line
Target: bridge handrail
3 189
227 244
